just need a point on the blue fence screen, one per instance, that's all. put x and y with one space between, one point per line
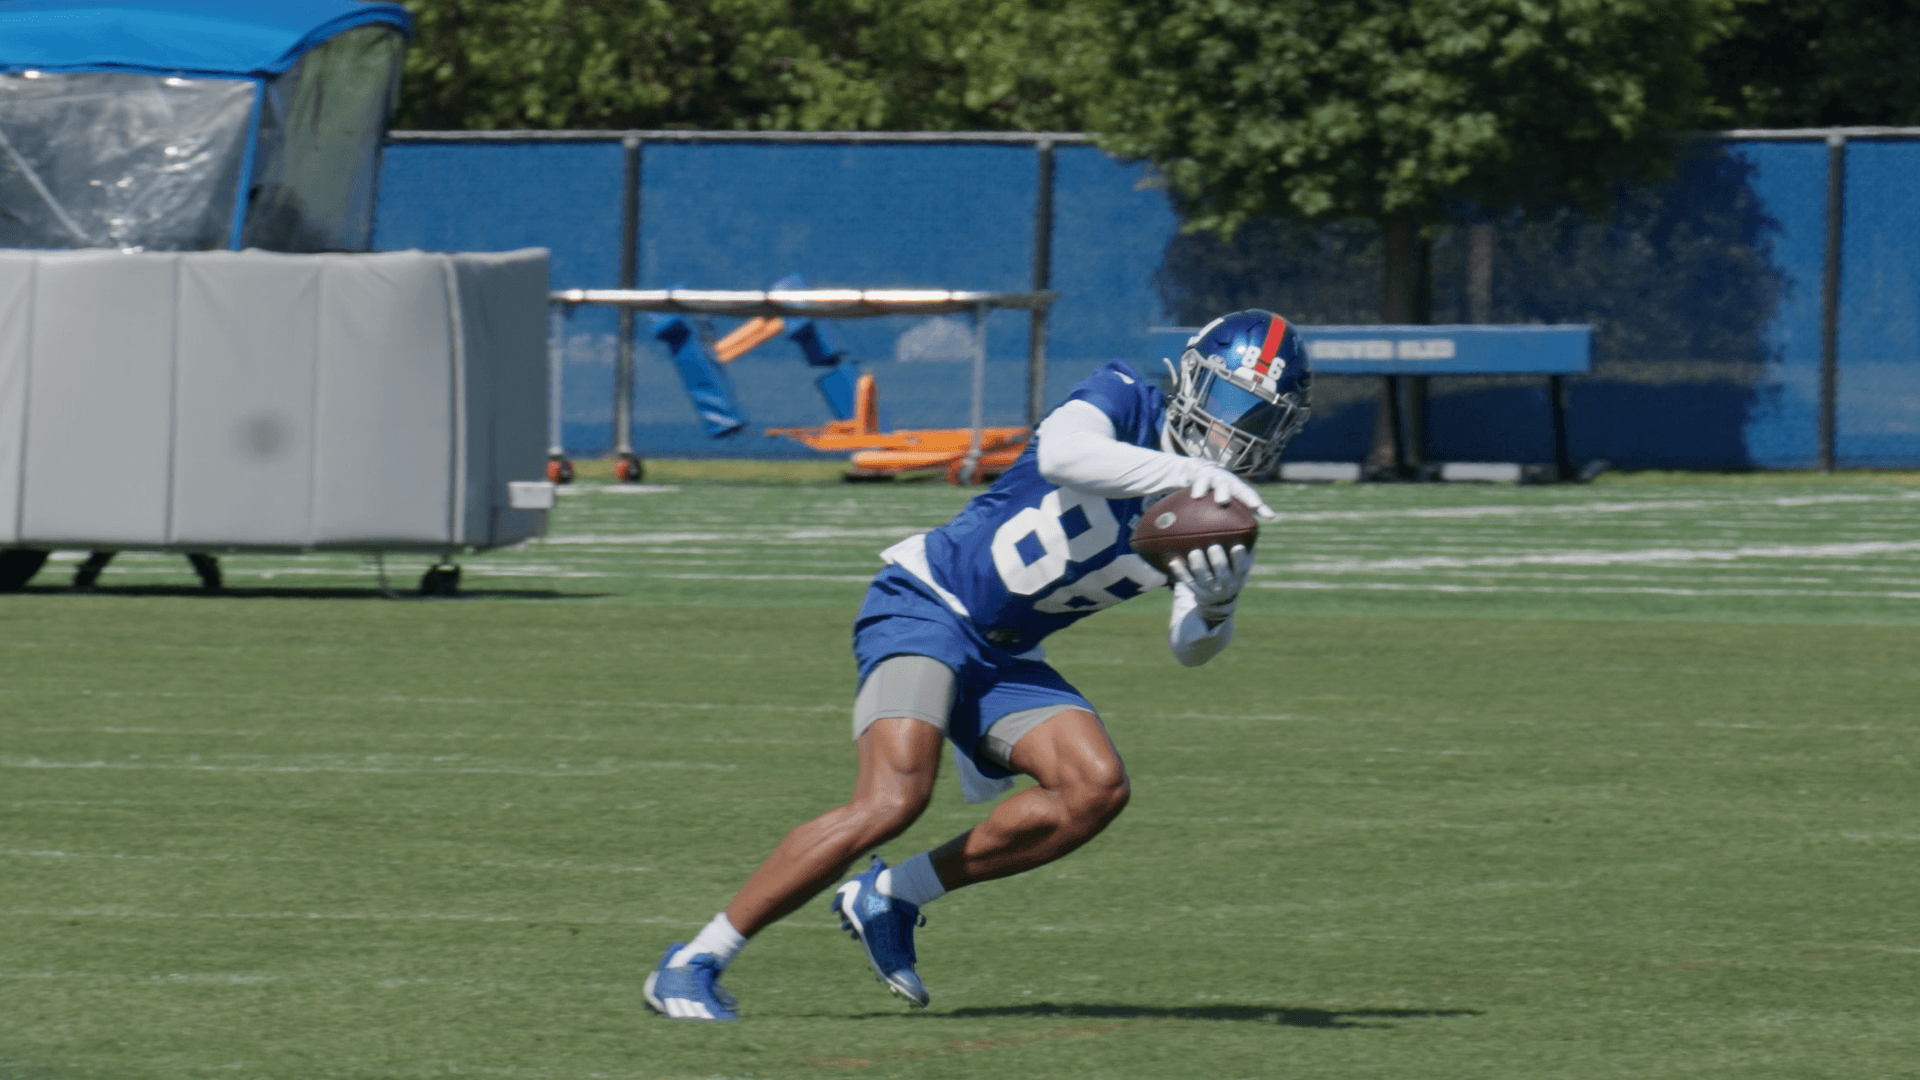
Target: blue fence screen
1704 291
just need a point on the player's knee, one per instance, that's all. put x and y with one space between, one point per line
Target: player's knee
888 813
1113 798
1099 794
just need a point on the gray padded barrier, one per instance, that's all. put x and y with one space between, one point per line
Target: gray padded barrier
16 293
253 400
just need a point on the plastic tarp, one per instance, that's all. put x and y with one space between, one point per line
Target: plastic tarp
253 400
139 126
319 152
116 160
170 37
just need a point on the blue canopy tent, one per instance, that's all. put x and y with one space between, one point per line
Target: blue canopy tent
181 125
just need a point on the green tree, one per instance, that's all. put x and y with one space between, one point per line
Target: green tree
927 65
1817 63
1386 108
938 65
478 64
1395 110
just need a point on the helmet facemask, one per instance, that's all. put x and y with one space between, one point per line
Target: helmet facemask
1229 416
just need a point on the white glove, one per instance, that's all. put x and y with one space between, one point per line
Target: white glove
1225 485
1216 576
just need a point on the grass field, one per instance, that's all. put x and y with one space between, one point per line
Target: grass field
1605 781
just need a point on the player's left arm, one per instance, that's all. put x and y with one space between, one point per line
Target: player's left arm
1206 589
1079 448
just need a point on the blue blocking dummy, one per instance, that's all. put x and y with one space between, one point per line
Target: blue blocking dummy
837 387
706 382
839 376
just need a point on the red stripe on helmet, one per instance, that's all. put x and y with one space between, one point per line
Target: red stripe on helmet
1276 330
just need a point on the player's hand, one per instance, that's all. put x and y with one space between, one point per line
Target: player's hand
1226 486
1216 577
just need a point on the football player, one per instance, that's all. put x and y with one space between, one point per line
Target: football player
949 647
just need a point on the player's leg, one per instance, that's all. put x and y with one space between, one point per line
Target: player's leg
1081 786
924 689
899 759
899 722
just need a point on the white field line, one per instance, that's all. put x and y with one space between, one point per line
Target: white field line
491 570
462 737
408 699
121 856
1564 509
615 489
1664 579
344 569
861 578
745 534
1384 586
559 772
1607 558
548 919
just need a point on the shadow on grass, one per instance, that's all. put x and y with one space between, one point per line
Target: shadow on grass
1283 1015
309 592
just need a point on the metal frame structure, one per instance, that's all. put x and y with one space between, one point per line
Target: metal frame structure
634 142
819 304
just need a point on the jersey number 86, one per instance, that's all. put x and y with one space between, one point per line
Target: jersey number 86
1032 550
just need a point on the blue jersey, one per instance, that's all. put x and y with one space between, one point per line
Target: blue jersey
1028 558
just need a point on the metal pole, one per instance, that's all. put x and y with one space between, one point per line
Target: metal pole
1830 299
1042 281
1557 403
556 362
1396 430
629 262
970 467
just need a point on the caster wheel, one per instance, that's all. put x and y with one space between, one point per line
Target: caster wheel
630 469
17 567
89 571
440 581
208 568
959 475
559 470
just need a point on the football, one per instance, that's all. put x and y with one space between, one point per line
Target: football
1180 523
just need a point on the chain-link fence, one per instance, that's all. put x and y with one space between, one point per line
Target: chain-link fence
1715 343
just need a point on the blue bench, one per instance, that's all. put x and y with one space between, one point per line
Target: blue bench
1395 352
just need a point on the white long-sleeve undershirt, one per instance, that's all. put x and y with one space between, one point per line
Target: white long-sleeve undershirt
1076 448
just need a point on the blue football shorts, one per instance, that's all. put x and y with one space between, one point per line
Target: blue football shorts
995 696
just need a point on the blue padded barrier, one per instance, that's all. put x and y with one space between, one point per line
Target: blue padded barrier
1789 180
1878 422
1705 290
496 196
1111 226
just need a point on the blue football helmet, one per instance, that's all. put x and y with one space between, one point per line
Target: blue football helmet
1240 391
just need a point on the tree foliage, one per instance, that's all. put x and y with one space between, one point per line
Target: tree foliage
732 64
1817 63
1391 108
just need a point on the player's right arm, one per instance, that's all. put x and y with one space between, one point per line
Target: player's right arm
1206 588
1076 447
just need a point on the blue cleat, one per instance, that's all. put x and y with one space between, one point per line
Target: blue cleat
689 992
884 927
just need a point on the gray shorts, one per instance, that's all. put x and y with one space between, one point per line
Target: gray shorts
922 688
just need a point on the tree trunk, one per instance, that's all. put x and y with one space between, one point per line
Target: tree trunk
1406 297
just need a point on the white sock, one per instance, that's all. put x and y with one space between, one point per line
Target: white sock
913 881
719 939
